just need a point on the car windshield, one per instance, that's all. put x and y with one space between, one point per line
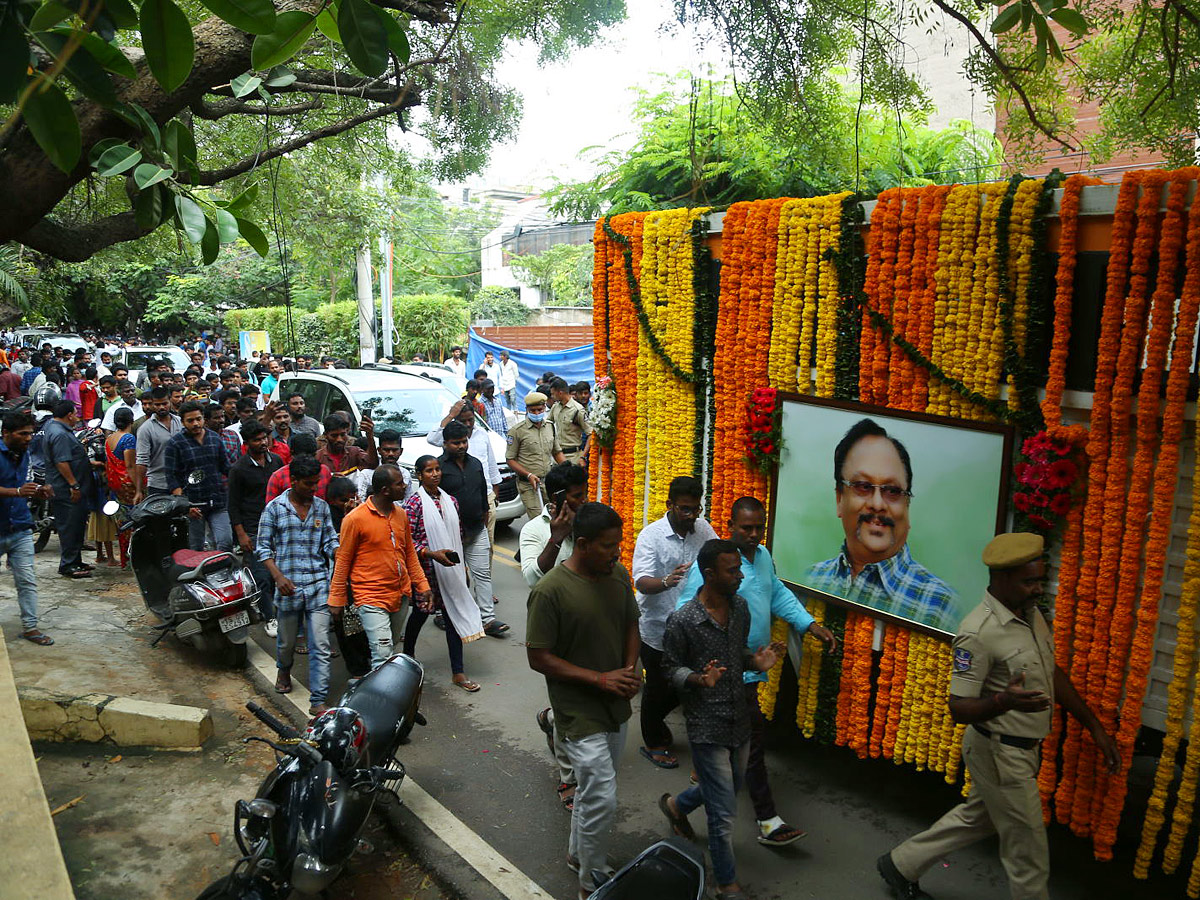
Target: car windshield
137 359
411 412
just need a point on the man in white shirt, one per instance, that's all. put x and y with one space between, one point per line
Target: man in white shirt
456 362
507 382
128 401
491 367
388 444
664 552
479 445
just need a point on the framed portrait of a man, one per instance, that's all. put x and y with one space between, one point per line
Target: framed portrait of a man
888 510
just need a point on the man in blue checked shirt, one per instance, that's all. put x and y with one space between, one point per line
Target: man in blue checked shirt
494 408
196 449
766 596
297 544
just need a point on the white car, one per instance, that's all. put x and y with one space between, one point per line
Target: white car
414 405
136 358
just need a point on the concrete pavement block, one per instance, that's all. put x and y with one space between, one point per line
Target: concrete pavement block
140 723
51 716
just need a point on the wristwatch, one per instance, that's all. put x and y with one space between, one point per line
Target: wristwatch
73 487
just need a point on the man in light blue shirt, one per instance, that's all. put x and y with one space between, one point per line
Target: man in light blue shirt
766 596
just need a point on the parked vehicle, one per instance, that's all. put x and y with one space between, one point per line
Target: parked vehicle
206 598
302 827
136 358
668 870
413 405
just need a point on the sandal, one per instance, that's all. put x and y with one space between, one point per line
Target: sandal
782 836
283 683
679 824
661 758
467 685
732 895
567 800
38 637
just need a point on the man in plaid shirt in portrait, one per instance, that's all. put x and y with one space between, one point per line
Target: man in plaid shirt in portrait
198 450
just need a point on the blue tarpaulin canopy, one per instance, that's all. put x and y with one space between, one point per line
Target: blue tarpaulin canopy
574 364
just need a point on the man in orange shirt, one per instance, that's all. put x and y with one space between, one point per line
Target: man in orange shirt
378 565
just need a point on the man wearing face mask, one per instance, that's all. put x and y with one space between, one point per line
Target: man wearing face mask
532 448
872 475
664 551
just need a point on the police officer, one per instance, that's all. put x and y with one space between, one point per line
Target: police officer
1004 684
569 420
532 448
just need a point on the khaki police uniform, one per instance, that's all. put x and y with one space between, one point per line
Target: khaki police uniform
1002 754
534 447
571 422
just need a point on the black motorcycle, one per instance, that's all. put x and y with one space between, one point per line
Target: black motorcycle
300 830
206 598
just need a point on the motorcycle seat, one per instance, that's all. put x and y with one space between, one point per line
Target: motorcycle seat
383 698
188 565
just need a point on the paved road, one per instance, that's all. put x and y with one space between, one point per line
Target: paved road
483 757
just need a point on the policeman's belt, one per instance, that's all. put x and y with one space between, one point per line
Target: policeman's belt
1022 742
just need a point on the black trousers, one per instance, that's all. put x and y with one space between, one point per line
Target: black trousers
70 521
756 766
658 699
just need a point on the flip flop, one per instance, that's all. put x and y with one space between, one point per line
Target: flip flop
679 824
661 758
37 637
568 801
782 836
467 685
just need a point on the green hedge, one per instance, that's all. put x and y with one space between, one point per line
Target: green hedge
425 323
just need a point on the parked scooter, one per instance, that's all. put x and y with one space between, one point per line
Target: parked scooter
300 830
206 598
668 870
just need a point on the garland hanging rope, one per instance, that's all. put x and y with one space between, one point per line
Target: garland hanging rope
948 303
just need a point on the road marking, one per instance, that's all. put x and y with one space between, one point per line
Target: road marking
504 551
456 834
509 562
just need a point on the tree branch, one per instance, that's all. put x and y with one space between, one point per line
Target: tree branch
216 176
214 111
75 243
1005 70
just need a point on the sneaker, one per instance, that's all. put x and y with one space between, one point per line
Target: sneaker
901 887
271 628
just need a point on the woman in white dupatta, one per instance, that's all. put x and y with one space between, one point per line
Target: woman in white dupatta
433 515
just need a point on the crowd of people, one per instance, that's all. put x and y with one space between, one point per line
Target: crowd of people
354 554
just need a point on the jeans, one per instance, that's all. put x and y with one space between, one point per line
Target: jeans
721 771
222 532
756 766
70 520
264 581
453 641
18 545
658 699
594 759
477 555
318 648
383 628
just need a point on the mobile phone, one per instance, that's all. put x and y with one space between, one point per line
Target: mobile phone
558 499
452 555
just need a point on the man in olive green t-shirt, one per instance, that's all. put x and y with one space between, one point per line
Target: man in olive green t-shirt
582 634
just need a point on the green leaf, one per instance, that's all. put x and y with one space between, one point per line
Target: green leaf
327 22
1046 5
14 55
149 206
81 68
1072 20
292 29
397 38
244 199
52 123
254 16
136 116
167 40
179 144
122 12
364 35
254 236
1026 15
280 76
101 147
116 160
210 244
227 226
151 173
108 55
191 217
48 15
244 84
1009 16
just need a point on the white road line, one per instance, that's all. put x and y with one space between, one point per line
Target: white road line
457 835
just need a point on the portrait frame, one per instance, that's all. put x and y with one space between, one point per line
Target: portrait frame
999 437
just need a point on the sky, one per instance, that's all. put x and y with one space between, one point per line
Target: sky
586 100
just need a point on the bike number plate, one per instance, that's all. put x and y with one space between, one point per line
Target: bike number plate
237 620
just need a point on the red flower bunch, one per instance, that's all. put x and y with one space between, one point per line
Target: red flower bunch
1045 477
763 440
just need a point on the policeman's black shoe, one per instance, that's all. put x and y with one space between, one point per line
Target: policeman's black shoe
901 887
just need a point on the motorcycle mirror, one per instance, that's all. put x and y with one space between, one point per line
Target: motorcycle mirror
110 508
195 476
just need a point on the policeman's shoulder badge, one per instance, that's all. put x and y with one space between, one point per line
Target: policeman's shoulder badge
962 659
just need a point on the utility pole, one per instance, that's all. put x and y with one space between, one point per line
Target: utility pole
366 307
385 293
